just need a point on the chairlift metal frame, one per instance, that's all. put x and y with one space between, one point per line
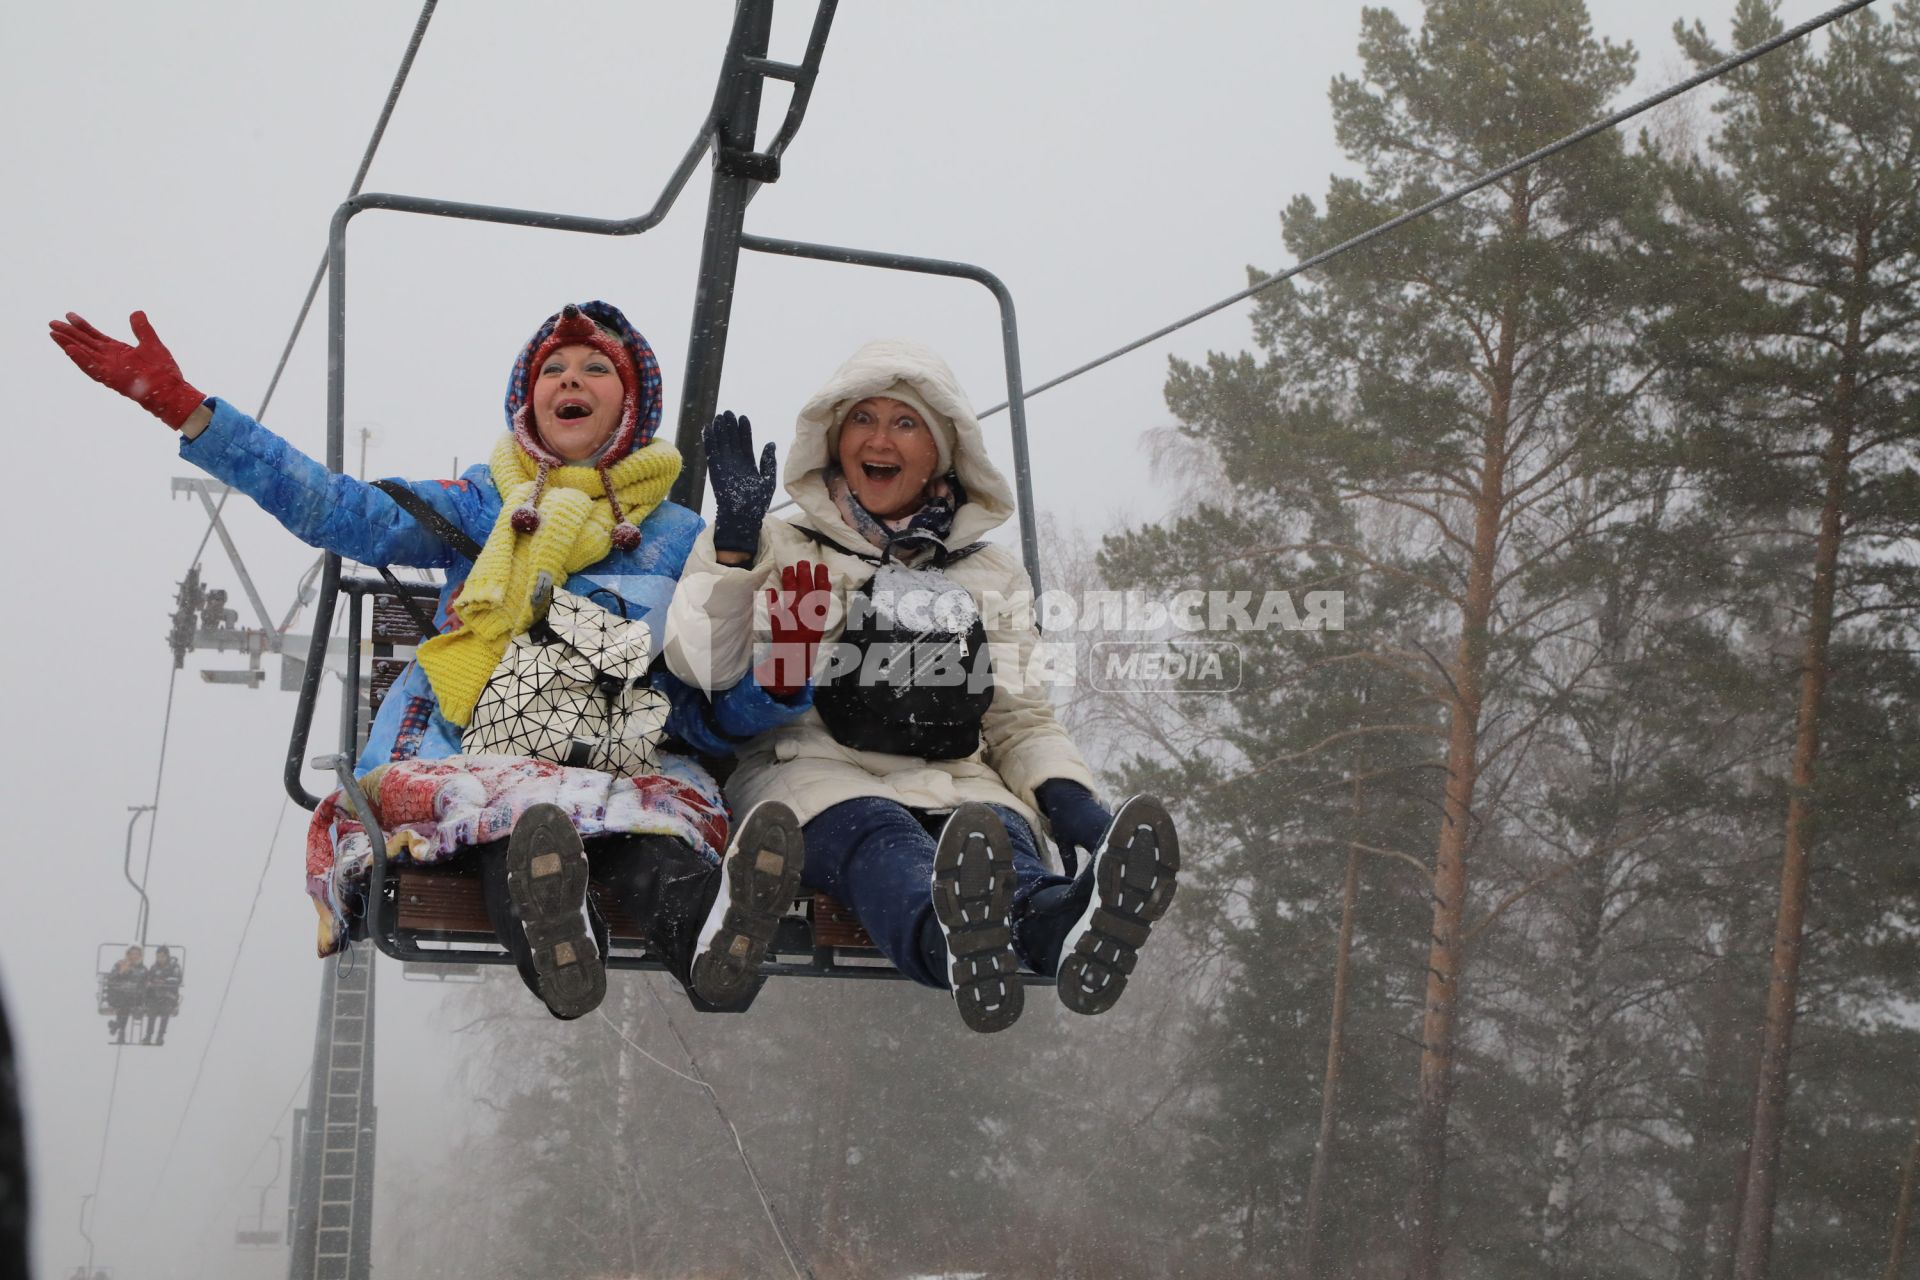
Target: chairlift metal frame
259 1236
738 172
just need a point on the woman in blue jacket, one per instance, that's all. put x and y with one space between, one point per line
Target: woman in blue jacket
575 492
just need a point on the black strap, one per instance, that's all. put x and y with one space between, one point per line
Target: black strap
416 506
823 540
941 558
407 602
449 532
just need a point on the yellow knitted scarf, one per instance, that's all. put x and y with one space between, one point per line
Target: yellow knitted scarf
576 524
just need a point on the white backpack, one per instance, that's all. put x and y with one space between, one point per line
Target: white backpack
573 689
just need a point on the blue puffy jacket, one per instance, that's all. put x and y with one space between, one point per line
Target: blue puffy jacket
358 522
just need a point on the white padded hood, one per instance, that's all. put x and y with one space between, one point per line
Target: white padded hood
870 371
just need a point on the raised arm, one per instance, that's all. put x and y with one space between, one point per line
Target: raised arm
318 506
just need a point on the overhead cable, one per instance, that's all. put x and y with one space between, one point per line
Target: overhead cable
213 1029
1714 72
320 273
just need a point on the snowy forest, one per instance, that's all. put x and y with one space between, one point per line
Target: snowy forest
1557 917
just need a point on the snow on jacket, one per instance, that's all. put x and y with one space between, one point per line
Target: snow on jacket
718 611
358 522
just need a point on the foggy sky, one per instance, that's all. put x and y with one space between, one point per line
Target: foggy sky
1117 164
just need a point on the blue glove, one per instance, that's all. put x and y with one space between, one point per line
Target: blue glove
741 492
1077 819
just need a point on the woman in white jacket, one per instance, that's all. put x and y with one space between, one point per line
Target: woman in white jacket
928 717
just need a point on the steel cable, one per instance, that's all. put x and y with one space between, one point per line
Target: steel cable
320 273
795 1262
1714 72
213 1029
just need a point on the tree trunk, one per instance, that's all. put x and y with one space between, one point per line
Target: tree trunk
1444 961
1754 1240
1903 1212
1576 1078
1330 1091
1706 1237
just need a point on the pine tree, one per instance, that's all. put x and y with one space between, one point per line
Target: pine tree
1447 376
1798 366
1318 767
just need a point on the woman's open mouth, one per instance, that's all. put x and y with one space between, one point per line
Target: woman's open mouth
880 471
572 409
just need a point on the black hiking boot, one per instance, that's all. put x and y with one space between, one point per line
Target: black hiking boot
1133 877
758 879
712 926
547 884
972 895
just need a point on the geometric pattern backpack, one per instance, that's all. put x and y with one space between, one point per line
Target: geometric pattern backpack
573 689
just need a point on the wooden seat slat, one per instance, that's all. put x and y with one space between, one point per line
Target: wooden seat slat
447 900
834 925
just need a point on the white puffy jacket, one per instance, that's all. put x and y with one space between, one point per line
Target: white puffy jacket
718 611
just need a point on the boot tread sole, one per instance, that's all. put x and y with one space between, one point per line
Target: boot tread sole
547 881
762 870
973 884
1134 884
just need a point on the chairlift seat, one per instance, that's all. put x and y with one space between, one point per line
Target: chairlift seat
107 954
435 915
441 909
137 998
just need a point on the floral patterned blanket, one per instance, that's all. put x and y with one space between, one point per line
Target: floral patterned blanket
430 810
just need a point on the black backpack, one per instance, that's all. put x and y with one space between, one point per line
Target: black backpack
907 682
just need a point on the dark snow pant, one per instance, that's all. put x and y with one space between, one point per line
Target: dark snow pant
876 856
659 881
122 1020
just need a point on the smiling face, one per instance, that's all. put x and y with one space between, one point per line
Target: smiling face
577 397
888 454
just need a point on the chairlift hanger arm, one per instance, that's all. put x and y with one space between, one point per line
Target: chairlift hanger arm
433 207
740 76
801 77
140 922
737 170
744 68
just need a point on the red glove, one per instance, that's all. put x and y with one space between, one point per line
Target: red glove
798 613
145 374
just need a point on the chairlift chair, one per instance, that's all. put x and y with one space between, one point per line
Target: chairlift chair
435 915
259 1235
136 1000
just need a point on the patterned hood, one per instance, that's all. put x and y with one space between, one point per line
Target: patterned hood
637 426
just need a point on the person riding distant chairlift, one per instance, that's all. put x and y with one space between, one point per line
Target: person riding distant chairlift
574 496
932 748
161 997
126 987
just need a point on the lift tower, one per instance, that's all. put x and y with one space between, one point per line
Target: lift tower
333 1139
